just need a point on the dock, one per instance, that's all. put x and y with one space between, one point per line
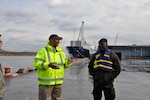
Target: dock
78 85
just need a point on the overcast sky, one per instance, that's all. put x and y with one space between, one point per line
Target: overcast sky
25 25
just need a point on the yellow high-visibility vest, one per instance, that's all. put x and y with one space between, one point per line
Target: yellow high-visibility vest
47 75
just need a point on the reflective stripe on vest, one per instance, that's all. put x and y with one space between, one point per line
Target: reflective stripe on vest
103 67
103 62
61 64
50 80
48 55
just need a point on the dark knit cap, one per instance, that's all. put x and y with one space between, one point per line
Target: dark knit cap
103 40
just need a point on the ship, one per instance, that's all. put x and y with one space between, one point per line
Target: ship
79 48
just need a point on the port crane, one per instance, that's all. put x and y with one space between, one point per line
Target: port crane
81 35
79 48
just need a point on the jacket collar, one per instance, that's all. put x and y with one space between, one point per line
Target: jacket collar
58 48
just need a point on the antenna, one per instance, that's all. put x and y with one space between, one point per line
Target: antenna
74 34
94 45
116 39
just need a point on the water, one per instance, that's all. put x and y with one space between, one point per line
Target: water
16 62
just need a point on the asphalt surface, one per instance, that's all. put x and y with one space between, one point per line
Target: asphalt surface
130 85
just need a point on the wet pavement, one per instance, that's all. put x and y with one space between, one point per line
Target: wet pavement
130 85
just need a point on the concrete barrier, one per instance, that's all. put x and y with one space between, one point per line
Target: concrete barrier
25 70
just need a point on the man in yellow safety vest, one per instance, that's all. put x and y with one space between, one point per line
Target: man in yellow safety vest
50 62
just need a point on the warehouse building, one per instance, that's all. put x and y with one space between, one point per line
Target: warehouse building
132 51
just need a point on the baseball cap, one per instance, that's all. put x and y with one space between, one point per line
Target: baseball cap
55 36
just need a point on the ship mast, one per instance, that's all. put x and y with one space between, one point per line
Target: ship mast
81 35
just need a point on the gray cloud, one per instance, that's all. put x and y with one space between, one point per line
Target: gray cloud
27 24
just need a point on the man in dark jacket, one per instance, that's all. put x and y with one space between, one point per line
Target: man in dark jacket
104 66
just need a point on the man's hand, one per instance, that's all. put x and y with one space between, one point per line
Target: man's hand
54 65
70 60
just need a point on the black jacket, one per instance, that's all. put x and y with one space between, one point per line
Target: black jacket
104 77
